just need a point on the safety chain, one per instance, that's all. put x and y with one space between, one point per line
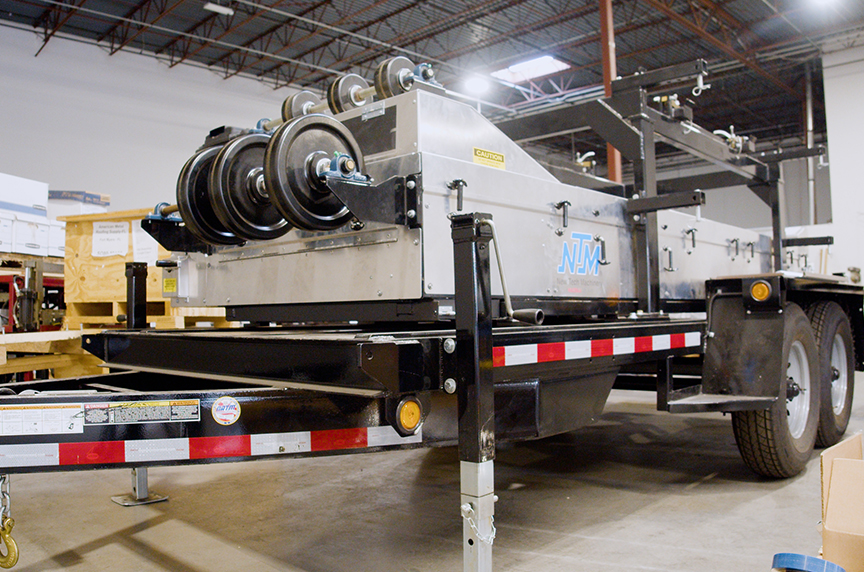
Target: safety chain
469 514
5 498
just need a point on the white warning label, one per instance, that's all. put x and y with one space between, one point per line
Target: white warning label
169 410
41 419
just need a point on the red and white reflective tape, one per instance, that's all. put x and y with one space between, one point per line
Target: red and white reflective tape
503 356
192 448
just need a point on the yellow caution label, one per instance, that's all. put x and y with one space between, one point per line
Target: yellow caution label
169 285
488 158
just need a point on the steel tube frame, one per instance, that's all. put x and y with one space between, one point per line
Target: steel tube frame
475 387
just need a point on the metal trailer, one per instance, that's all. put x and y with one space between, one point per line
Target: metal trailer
378 322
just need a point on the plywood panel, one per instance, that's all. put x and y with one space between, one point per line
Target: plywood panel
102 279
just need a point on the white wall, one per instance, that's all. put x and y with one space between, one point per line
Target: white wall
123 125
843 72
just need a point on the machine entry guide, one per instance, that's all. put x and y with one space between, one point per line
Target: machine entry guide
121 413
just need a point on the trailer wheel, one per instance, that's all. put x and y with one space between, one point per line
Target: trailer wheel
778 442
836 370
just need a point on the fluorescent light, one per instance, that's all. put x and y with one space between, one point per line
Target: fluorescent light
476 85
219 9
522 72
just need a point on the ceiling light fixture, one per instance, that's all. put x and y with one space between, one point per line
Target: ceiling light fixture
219 9
524 71
476 85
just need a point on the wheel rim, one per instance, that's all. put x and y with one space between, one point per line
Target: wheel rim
839 374
798 373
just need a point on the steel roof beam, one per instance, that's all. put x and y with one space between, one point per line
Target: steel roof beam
319 31
206 27
424 32
147 13
56 15
264 39
698 28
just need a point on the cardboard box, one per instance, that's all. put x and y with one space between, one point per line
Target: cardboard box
30 234
843 504
56 238
23 195
71 203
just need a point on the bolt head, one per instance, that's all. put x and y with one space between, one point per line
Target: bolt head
450 385
449 345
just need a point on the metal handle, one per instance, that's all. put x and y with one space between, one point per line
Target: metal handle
800 256
531 316
564 207
31 245
752 246
692 233
602 241
457 185
671 267
736 242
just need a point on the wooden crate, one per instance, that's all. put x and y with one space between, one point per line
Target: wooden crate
59 352
91 279
95 287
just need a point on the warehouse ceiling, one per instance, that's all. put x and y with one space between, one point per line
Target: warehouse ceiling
757 50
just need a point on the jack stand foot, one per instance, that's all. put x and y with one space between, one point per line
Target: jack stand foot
140 492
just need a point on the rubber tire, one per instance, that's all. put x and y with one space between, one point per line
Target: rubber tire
829 320
764 440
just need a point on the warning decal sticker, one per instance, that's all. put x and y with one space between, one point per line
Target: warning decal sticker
488 158
170 410
42 419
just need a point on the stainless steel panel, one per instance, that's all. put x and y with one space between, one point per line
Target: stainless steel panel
713 256
538 261
380 262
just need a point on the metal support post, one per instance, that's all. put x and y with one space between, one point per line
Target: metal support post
645 232
471 237
136 295
140 491
610 72
771 191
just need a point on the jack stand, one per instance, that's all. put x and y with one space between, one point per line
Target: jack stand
140 492
471 236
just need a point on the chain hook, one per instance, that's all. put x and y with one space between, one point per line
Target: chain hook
11 558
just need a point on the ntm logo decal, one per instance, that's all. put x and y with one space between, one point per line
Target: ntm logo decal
581 257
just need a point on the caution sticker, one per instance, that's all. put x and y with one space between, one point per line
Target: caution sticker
488 158
169 285
226 410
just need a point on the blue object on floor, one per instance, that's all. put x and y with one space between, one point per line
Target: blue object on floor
802 563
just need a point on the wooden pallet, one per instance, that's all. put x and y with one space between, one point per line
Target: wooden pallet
59 352
160 315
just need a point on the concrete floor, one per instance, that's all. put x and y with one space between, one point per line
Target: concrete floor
639 490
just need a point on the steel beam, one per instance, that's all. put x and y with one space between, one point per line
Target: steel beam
610 72
475 387
59 23
702 33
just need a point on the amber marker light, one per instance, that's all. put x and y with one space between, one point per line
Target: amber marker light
409 414
760 290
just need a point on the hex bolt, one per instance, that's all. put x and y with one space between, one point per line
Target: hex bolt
411 213
411 185
450 385
449 345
